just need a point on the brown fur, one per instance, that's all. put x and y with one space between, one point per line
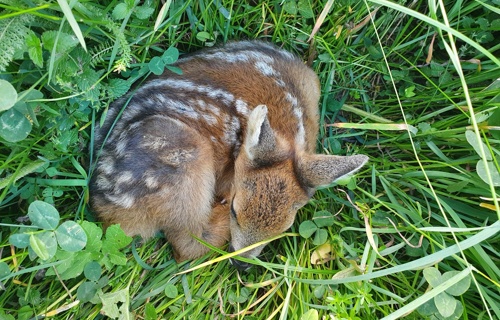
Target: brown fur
239 125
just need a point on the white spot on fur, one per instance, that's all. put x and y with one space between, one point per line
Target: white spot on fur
218 94
236 57
214 93
280 82
213 109
298 113
183 109
232 126
242 107
207 111
151 180
121 146
107 165
264 68
125 177
211 120
300 138
291 99
153 142
135 125
103 183
123 200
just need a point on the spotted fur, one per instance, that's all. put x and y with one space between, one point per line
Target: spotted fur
236 131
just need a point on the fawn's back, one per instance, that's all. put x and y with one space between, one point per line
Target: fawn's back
223 151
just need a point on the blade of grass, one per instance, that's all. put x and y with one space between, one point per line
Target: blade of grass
68 14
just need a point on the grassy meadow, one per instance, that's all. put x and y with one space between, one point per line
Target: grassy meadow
415 85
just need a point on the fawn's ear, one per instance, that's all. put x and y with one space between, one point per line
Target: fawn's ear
321 170
260 140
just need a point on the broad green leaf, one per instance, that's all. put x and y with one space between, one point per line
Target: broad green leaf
8 95
175 70
110 302
71 237
319 291
25 313
143 12
4 269
92 271
94 235
458 312
494 121
409 92
44 244
116 237
374 52
73 263
428 308
322 254
118 87
115 240
43 215
310 315
14 126
433 276
481 171
475 143
323 219
320 237
156 65
5 316
120 11
445 304
290 7
20 240
307 228
170 56
34 49
171 291
114 256
150 312
86 291
458 288
65 41
305 9
203 36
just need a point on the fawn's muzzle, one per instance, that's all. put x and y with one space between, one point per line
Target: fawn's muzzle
240 265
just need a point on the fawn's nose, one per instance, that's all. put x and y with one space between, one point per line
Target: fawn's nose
240 265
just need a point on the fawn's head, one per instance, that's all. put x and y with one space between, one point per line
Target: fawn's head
273 179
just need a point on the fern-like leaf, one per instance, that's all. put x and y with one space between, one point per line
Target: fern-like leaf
13 33
98 52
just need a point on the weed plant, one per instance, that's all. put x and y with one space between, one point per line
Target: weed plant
413 84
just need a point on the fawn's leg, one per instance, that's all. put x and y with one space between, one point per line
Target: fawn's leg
215 232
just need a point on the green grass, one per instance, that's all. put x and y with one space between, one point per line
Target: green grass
416 88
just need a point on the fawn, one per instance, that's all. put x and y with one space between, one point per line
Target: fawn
224 151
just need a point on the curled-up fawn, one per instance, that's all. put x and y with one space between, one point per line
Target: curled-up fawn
223 152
